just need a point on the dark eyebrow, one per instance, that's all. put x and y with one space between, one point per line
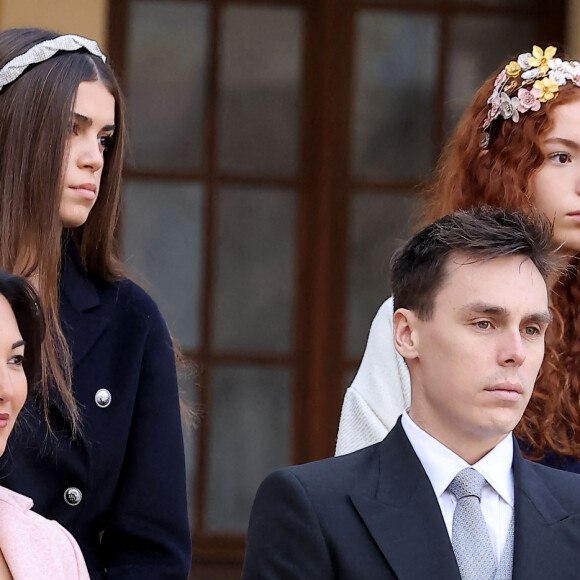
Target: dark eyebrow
19 343
540 317
87 122
482 308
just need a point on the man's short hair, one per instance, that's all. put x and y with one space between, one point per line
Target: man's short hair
418 269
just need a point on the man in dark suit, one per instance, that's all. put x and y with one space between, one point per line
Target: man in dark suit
471 311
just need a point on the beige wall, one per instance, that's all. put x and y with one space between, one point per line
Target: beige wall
85 17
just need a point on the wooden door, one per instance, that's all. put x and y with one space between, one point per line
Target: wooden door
276 150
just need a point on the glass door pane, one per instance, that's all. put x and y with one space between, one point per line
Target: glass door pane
255 270
379 224
249 438
167 69
396 73
259 89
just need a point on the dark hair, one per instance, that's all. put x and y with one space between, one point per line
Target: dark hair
35 124
418 269
30 319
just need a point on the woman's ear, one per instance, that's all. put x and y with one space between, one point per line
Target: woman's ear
404 335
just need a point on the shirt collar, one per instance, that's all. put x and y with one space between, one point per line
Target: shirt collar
442 465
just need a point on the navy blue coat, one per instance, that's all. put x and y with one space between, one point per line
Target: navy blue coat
131 522
374 514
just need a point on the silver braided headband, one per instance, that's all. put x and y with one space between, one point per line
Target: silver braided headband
43 51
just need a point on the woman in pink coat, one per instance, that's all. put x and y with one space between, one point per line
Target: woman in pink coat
31 547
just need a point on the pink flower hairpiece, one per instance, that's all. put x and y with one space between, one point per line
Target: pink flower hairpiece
524 85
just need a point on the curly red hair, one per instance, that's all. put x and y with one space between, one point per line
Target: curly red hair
466 176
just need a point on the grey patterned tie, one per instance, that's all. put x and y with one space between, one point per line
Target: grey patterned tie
470 536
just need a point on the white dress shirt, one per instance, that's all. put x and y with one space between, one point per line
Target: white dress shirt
442 465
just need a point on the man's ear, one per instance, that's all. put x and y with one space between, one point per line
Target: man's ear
404 333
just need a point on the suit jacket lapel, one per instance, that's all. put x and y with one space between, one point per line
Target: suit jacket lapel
537 514
404 517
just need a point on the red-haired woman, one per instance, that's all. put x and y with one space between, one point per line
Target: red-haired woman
517 146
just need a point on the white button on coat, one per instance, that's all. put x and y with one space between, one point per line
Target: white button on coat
73 496
103 398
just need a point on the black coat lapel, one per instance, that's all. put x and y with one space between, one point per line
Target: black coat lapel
404 517
538 518
83 315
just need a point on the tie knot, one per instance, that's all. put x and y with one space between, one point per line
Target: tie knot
467 482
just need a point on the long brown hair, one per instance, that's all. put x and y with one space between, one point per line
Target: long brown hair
500 175
35 122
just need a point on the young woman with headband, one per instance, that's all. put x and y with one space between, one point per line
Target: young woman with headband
101 450
518 146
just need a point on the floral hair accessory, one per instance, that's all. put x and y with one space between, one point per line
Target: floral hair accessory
524 85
